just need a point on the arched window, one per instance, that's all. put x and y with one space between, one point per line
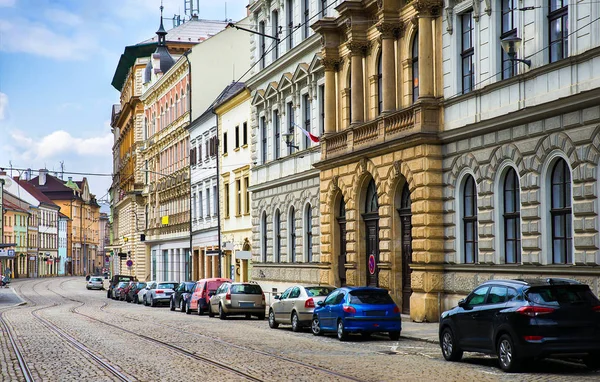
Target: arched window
276 237
263 231
470 220
188 99
182 103
349 87
292 235
153 123
415 67
379 84
512 218
561 214
308 235
177 111
371 203
168 114
162 118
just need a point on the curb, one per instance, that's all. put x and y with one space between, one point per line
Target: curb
414 338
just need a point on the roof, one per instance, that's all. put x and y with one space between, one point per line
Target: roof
63 216
13 207
53 184
191 32
230 91
35 192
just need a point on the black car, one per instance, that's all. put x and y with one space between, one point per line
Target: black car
520 320
116 279
132 293
181 296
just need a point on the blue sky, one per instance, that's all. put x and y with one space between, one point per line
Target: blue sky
57 60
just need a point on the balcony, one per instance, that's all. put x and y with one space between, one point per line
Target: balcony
385 129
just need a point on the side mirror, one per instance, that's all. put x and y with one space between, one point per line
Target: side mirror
462 303
210 294
276 297
321 303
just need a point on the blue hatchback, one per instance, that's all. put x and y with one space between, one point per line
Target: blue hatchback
362 310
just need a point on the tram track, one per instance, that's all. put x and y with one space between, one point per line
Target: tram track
329 372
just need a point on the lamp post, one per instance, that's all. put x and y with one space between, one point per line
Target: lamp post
289 140
511 45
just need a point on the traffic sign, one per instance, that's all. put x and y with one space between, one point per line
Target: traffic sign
129 263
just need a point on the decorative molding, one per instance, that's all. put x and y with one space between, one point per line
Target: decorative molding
358 47
450 17
476 9
488 7
429 7
331 63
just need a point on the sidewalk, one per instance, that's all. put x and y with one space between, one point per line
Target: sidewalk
8 297
420 331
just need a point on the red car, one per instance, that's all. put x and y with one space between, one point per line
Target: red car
203 291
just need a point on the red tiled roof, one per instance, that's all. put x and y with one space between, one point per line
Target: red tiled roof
11 206
35 192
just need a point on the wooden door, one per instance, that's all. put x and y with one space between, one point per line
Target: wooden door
372 252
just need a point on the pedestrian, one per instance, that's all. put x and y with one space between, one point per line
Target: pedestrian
87 277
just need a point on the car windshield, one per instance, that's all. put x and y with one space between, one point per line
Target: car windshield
141 285
246 289
375 297
95 279
561 295
214 285
167 286
318 291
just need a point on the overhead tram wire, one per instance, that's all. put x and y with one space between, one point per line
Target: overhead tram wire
531 55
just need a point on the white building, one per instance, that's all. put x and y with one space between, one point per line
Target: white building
62 244
287 93
522 140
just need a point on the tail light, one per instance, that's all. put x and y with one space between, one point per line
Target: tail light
349 309
310 303
228 296
533 338
263 296
596 308
160 291
534 311
396 309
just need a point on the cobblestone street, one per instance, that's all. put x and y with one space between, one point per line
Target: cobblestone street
67 333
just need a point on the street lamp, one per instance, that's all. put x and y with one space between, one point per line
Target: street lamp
289 140
511 45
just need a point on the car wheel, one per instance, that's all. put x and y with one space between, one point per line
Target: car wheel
507 354
295 322
200 310
394 336
171 305
145 302
222 314
248 316
592 361
272 323
88 288
315 326
450 349
182 306
188 310
342 335
152 302
210 312
136 300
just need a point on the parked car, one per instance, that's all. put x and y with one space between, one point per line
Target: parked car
142 292
132 294
296 305
125 292
95 283
203 291
116 279
238 298
182 295
363 310
519 320
160 292
118 289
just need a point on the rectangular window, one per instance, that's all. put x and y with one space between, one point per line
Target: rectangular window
245 134
208 202
306 108
215 200
193 205
226 201
238 197
237 136
323 7
509 29
321 109
290 23
261 44
558 23
225 143
291 122
276 134
275 33
263 133
247 201
200 206
305 12
467 51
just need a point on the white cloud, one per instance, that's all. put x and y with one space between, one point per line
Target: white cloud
3 104
7 3
60 16
24 36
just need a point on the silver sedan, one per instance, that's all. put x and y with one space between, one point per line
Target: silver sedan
295 306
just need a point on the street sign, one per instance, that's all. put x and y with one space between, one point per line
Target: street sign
243 255
129 263
212 252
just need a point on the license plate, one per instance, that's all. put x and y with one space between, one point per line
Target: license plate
246 305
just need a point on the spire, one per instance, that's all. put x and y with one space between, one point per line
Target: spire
161 32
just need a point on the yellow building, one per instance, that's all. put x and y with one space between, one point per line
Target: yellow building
381 167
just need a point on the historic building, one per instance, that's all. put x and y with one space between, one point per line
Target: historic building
381 166
102 261
520 143
233 128
287 104
63 244
76 202
16 214
130 127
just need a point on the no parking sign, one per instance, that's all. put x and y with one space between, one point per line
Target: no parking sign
129 263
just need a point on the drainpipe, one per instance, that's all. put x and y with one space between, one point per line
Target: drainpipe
189 98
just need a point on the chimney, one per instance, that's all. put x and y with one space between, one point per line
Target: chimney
70 179
42 177
28 174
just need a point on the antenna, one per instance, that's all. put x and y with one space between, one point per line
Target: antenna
225 11
62 169
191 7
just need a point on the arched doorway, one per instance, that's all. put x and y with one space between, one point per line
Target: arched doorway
406 236
341 220
371 219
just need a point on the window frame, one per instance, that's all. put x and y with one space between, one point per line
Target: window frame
276 134
512 216
469 220
263 131
308 227
508 66
277 237
564 212
562 15
467 53
306 106
380 83
292 234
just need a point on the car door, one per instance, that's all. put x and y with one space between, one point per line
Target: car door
290 302
325 317
465 317
194 297
216 299
337 308
486 317
279 306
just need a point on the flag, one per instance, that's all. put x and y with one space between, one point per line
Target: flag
310 136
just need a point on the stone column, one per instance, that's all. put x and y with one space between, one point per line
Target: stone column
330 66
357 101
388 66
427 10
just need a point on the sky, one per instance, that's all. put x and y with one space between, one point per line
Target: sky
57 60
